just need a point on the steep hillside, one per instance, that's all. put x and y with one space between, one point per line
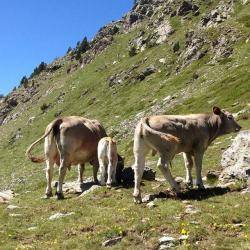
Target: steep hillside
162 57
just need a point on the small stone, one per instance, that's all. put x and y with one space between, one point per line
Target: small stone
166 246
112 241
32 228
191 210
12 207
183 237
147 198
166 239
15 215
94 187
151 204
60 215
179 179
162 60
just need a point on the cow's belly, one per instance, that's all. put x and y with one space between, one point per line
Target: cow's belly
80 157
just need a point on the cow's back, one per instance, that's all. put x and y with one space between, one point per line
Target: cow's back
79 138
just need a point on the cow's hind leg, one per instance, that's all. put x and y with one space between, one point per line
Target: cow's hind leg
188 165
49 176
163 165
102 171
140 151
62 172
81 168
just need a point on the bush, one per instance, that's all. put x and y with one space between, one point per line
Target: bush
44 107
132 51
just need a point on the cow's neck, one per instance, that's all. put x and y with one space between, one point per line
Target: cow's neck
214 122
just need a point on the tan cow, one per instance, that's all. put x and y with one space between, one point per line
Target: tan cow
69 141
171 134
108 159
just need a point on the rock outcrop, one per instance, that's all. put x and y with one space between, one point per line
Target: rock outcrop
236 159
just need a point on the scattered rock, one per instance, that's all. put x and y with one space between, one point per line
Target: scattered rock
6 196
162 60
12 207
60 215
111 242
94 187
151 204
15 215
146 72
187 7
236 159
191 210
32 228
162 32
183 237
148 198
166 239
127 175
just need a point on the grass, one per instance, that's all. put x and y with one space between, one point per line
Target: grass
106 213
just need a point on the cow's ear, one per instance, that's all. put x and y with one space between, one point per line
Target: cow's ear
216 110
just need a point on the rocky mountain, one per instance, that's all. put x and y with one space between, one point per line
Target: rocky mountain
163 56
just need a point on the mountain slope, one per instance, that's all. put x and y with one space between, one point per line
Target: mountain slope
162 57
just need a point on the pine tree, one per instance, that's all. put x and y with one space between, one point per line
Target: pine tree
24 82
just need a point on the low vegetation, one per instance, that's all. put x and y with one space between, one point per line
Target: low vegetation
104 213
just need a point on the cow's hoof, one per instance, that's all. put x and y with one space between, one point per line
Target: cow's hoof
137 200
59 196
200 186
47 195
96 182
189 185
108 186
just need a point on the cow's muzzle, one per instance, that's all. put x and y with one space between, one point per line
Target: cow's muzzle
238 128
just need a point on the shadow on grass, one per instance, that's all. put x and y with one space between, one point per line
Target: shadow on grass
193 194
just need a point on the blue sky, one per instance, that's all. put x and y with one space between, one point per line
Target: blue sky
33 31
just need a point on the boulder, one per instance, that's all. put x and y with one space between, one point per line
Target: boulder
236 159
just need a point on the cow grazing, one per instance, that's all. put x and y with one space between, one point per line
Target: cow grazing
108 159
69 141
172 134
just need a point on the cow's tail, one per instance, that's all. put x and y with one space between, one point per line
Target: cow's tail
39 159
164 136
112 144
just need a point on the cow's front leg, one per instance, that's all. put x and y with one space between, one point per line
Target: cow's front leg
188 165
81 168
62 173
164 167
49 176
198 156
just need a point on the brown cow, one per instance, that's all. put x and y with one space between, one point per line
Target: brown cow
172 134
69 141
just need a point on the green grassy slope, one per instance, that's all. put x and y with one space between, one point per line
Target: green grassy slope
108 213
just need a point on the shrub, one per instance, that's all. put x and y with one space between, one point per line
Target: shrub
132 51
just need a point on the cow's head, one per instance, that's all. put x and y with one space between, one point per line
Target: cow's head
228 124
119 169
